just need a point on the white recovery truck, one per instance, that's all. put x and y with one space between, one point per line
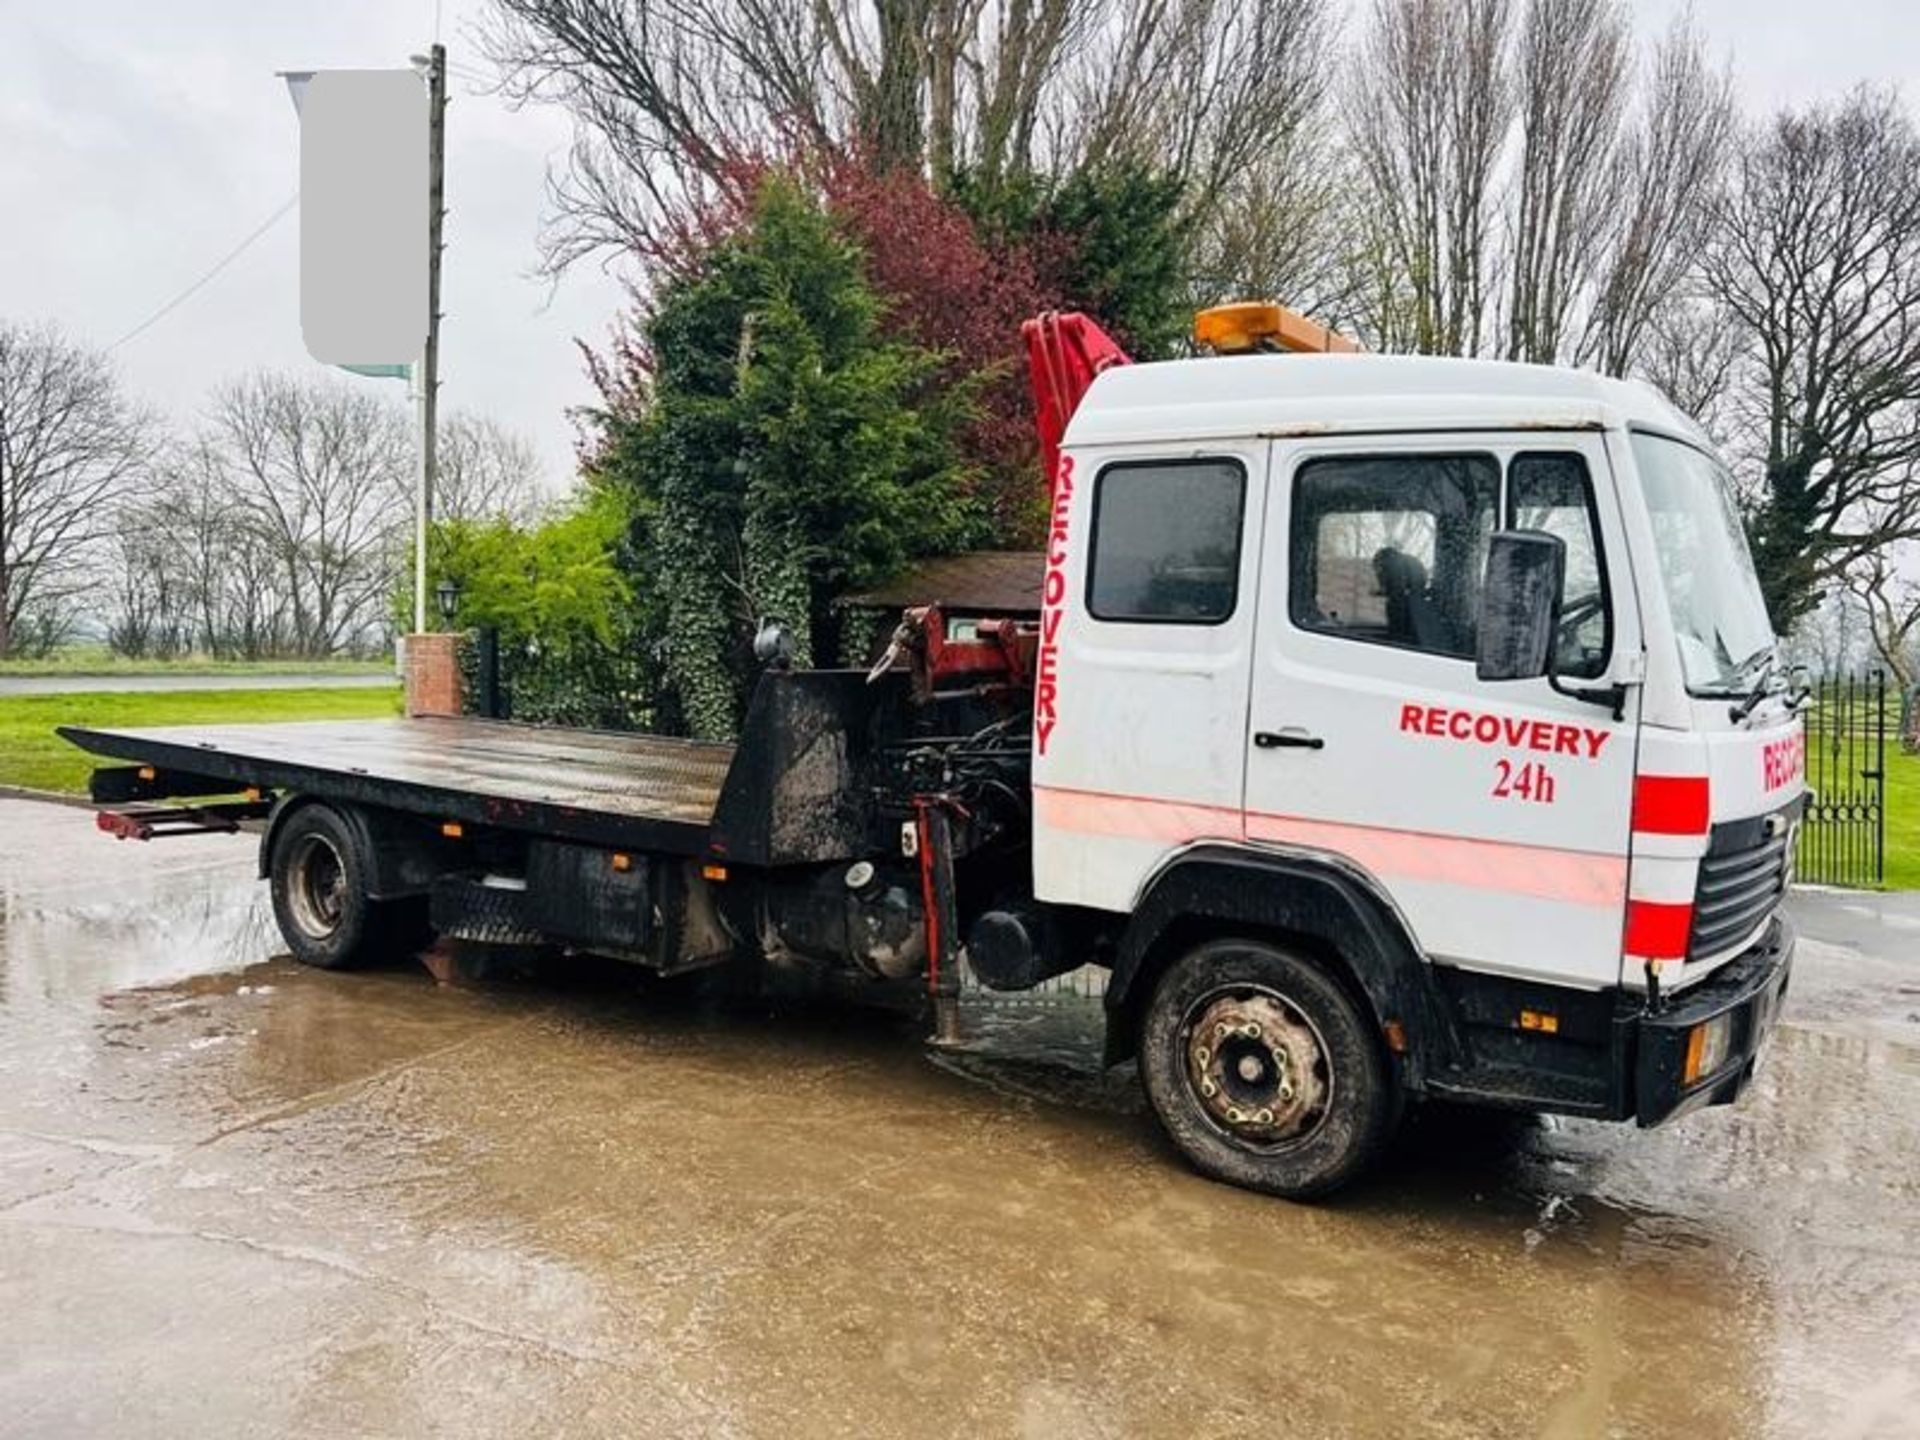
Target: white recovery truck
1388 727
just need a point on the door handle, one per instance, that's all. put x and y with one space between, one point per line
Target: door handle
1292 736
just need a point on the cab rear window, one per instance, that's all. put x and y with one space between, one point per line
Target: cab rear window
1166 541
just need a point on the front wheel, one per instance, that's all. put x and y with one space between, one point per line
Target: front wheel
320 871
1264 1071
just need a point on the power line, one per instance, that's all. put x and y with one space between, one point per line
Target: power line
219 265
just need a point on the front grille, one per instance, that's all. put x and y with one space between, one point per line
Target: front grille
1742 878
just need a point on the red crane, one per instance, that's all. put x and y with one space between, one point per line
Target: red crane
1064 355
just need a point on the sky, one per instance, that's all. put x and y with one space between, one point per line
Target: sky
140 142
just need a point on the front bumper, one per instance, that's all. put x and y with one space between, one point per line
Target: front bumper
1748 989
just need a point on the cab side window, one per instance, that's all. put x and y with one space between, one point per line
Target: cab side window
1390 549
1552 491
1166 541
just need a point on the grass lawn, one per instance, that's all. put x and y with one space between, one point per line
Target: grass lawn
33 756
1903 819
98 660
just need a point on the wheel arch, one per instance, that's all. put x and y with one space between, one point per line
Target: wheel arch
283 810
1335 915
404 852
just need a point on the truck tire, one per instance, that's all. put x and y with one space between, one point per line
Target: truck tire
1264 1071
319 873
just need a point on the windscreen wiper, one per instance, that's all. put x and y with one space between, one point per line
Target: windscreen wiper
1769 664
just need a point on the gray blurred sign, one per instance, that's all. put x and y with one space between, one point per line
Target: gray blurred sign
363 215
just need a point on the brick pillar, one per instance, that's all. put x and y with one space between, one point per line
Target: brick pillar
433 675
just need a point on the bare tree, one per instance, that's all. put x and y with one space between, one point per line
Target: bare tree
485 470
1274 231
191 569
1890 596
70 442
1201 89
1831 638
230 582
641 82
1691 349
1816 253
1428 112
1572 82
1229 98
668 99
319 476
152 609
1661 200
1523 188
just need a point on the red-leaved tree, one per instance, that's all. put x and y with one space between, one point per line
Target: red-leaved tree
958 296
946 289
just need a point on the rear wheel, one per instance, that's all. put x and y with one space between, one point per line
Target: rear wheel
1264 1071
321 871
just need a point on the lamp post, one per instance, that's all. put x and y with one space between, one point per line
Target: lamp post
448 594
335 149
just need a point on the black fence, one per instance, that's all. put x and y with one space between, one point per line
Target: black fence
580 683
1843 840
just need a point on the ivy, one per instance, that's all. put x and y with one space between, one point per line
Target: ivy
779 448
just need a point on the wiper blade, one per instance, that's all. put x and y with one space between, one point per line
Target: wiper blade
1769 665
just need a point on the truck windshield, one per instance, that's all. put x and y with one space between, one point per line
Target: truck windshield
1718 613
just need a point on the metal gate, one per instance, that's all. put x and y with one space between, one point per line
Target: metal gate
1844 838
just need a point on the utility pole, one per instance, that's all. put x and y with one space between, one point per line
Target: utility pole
427 381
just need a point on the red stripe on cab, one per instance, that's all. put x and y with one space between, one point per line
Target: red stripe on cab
1658 931
1573 877
1670 804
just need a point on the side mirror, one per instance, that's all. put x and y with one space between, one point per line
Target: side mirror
1519 604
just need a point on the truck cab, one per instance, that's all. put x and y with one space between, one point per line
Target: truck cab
1361 850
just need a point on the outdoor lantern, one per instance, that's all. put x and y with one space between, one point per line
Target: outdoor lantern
449 596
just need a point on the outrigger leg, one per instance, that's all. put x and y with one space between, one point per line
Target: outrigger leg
935 836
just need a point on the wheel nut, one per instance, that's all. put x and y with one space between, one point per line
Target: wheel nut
1202 1054
1209 1089
1253 1031
1265 1117
1235 1115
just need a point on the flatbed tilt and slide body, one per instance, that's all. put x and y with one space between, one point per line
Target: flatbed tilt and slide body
645 792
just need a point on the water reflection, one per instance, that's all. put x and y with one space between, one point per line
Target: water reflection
607 1197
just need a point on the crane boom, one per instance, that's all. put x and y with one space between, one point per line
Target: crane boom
1067 351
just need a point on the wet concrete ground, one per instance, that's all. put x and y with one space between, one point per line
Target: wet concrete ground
242 1198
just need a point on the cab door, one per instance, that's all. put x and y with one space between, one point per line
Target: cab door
1146 658
1496 815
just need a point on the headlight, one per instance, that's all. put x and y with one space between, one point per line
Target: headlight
1707 1046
